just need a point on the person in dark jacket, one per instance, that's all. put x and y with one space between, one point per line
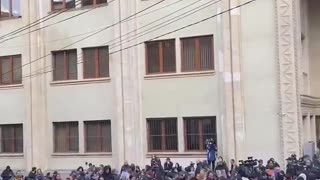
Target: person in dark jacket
33 174
107 174
198 168
39 175
125 166
221 169
7 173
168 165
177 168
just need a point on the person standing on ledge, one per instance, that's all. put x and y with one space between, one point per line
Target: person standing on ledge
211 153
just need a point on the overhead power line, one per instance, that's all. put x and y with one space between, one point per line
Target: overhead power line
37 22
162 35
49 25
190 12
166 23
92 31
119 22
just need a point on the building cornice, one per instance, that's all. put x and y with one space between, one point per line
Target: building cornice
310 101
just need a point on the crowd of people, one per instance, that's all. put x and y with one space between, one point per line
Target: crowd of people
300 169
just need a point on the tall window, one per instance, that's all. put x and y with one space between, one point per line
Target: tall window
11 138
92 2
162 134
98 136
66 137
10 8
161 56
63 4
65 65
96 62
10 70
197 53
197 130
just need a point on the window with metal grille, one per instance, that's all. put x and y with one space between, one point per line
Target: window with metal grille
10 70
197 130
66 137
62 4
65 65
162 134
161 56
98 136
92 2
11 138
197 53
10 9
96 62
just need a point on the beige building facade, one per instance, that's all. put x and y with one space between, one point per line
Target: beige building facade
252 83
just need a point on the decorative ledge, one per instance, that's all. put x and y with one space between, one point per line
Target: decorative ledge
184 154
79 8
310 101
18 156
10 18
57 155
79 82
179 75
13 86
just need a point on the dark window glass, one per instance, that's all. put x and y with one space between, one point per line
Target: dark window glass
197 130
162 134
66 137
96 62
11 138
161 56
65 66
10 70
197 53
98 136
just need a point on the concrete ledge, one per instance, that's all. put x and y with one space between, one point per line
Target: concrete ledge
178 155
79 82
76 155
11 86
11 156
179 75
310 101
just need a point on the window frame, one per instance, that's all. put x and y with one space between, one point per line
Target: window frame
200 129
197 53
69 142
161 56
14 141
100 133
93 4
96 62
66 65
64 2
12 70
163 136
10 11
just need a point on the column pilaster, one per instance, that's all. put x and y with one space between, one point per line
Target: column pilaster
290 115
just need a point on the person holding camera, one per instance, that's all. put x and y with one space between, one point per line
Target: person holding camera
211 153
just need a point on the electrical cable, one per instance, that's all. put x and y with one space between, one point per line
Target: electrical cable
190 12
36 22
49 25
70 37
119 22
207 5
165 34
